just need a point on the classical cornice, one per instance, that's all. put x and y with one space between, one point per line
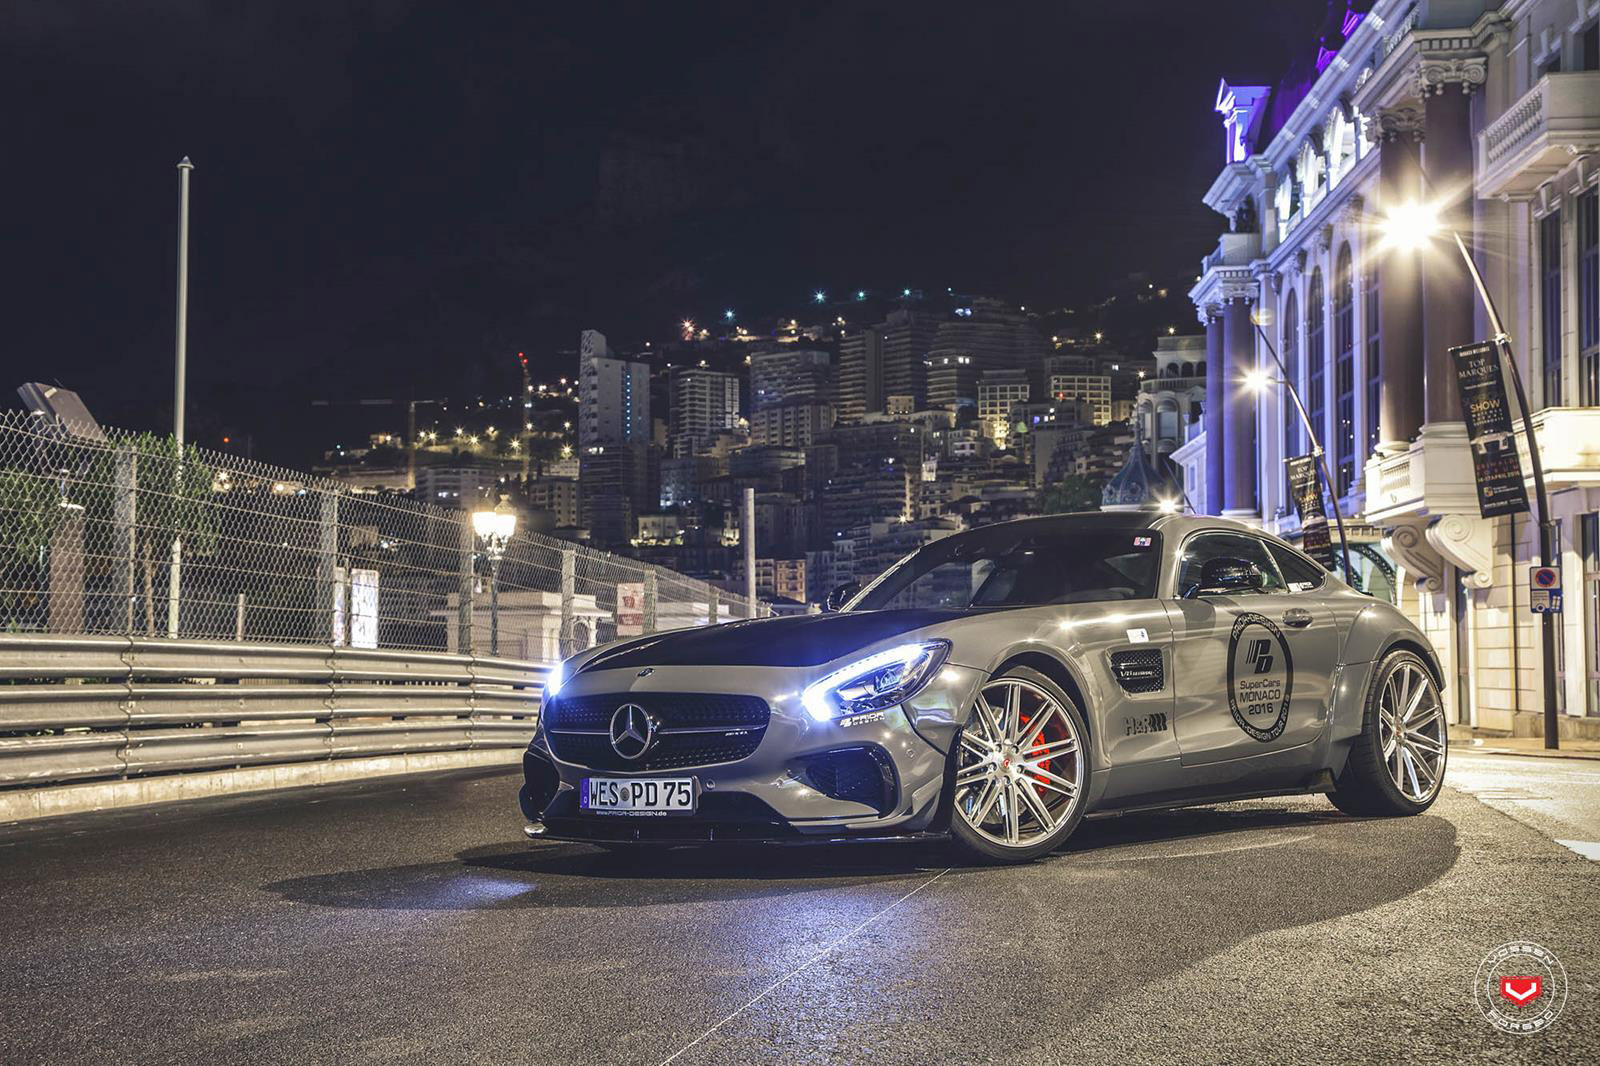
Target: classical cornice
1401 121
1423 61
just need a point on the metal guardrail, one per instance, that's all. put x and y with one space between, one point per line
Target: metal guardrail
76 708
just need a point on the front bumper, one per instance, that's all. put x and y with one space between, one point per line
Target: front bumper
791 787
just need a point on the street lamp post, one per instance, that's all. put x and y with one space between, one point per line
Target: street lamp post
180 380
1411 226
495 527
1259 381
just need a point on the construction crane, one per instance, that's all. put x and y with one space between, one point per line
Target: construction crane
527 422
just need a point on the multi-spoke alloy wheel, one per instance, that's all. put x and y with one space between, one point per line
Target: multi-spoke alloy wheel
1396 765
1411 731
1020 767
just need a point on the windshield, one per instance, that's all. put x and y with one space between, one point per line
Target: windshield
1023 565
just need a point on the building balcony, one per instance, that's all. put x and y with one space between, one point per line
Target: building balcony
1539 135
1434 476
1569 446
1152 386
1234 249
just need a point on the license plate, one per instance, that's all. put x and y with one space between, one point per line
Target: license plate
637 795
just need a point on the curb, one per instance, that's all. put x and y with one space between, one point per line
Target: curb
29 804
1530 753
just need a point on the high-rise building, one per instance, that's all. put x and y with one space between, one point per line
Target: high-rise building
998 390
557 495
861 374
614 487
791 425
990 334
1093 389
787 374
889 360
613 396
704 404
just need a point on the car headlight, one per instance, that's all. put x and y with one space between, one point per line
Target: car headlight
554 680
876 682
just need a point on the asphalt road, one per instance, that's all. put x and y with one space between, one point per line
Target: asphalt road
407 921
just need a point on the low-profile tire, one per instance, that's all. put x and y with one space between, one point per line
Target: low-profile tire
1021 770
1396 766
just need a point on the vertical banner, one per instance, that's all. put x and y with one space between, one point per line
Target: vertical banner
1495 464
1307 492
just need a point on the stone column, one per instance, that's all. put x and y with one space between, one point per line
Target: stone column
1215 392
1400 285
1448 297
1238 410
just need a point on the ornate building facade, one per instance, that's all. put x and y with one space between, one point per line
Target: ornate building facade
1490 114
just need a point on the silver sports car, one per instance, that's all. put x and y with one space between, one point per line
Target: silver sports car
997 687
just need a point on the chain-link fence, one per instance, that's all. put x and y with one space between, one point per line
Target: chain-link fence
119 534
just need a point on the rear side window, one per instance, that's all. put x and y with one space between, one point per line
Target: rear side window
1299 573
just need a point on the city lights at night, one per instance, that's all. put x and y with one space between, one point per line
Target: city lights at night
694 533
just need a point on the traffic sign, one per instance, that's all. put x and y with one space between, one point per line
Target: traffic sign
1544 589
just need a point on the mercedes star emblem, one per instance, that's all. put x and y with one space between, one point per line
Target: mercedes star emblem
632 731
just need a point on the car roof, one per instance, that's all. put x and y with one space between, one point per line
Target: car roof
1176 525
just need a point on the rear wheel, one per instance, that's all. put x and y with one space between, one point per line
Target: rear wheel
1396 765
1020 770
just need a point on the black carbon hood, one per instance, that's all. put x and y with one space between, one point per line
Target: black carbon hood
799 640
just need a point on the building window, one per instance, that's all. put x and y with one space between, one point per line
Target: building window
1316 359
1589 298
1344 372
1550 305
1374 368
1589 47
1291 371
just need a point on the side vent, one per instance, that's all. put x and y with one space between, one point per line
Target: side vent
1139 671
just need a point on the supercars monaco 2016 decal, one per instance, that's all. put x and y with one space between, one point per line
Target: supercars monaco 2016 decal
1260 676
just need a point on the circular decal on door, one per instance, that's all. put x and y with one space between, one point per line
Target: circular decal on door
1260 676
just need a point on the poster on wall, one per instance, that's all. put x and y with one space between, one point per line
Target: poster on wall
363 608
1496 465
1306 490
630 608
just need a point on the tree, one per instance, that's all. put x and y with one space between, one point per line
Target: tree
1072 493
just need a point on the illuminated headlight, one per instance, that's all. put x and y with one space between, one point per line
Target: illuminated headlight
555 679
876 682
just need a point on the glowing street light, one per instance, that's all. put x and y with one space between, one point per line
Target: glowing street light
495 527
728 315
1410 227
819 297
1259 381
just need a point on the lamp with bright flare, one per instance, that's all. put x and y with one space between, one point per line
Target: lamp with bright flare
1410 226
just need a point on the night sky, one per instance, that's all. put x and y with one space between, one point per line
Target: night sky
393 197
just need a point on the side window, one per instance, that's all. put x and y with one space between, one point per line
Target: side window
1207 546
1299 573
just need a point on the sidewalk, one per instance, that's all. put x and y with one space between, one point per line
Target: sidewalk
1463 739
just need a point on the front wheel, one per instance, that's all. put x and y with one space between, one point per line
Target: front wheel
1021 769
1396 766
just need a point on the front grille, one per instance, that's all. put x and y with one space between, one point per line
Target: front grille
1139 671
692 729
861 775
674 710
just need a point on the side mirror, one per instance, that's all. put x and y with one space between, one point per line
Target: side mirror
841 596
1223 576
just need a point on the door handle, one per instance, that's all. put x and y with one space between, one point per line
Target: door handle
1298 617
